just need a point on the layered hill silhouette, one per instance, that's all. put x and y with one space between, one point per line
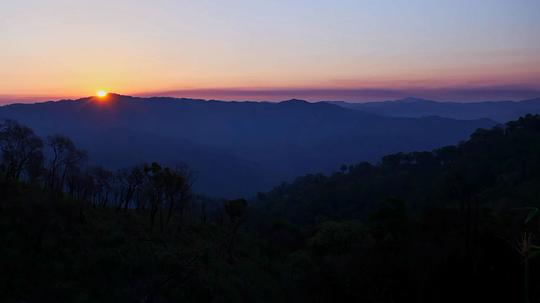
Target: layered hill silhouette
235 148
501 111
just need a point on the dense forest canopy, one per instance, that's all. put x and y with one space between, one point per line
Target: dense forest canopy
454 224
497 168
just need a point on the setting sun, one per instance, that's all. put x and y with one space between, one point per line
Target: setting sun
101 93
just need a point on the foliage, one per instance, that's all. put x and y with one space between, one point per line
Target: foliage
437 226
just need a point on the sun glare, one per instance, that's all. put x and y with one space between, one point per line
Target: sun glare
101 93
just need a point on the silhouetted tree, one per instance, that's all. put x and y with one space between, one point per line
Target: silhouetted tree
66 159
131 180
102 185
236 211
21 149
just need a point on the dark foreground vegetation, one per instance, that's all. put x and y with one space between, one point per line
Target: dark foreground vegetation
457 224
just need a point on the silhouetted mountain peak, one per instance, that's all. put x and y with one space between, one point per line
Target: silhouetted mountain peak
415 108
113 97
413 100
294 101
118 96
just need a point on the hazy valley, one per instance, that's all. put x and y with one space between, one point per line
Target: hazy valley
236 148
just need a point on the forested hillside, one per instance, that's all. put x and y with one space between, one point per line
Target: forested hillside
495 168
235 148
454 224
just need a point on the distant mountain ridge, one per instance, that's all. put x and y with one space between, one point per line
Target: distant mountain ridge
237 148
501 111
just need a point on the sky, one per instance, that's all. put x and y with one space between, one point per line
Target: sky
362 50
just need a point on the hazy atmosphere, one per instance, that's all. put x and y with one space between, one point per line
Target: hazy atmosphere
374 151
455 50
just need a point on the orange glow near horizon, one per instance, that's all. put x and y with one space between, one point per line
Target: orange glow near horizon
101 94
270 50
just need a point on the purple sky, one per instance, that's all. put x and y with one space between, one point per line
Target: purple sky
459 50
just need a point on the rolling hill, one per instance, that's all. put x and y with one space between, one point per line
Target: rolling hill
501 111
236 148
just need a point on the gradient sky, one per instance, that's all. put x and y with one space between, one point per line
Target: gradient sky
270 50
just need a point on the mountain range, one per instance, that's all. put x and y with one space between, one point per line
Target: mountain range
237 148
501 111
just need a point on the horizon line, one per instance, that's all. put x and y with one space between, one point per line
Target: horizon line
457 94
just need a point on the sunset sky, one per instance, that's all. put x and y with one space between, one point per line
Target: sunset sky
459 50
